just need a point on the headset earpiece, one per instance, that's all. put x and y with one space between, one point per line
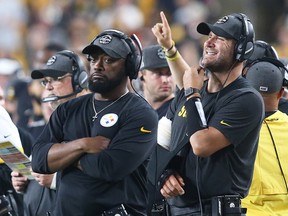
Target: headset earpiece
80 75
285 80
285 71
134 58
245 44
268 50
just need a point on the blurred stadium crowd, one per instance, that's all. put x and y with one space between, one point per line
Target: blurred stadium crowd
27 26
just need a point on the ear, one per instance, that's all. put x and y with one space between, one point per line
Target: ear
280 93
141 76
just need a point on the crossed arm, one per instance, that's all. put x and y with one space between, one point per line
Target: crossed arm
62 155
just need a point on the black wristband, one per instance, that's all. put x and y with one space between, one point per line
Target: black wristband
164 176
173 55
196 119
189 91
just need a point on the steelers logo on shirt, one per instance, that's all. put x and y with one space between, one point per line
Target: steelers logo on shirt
108 120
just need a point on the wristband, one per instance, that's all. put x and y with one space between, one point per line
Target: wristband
196 119
164 176
189 91
167 50
174 56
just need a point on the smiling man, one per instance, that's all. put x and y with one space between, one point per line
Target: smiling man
216 121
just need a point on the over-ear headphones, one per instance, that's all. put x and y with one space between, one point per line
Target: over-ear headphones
245 44
266 49
261 49
276 63
134 58
80 76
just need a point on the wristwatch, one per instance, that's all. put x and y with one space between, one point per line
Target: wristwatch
189 91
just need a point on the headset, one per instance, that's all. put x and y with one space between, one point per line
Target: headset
261 49
134 58
245 45
276 63
79 78
80 75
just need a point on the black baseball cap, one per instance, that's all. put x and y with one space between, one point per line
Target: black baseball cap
229 26
56 66
112 45
153 58
265 77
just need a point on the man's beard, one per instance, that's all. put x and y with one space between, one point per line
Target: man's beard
102 86
222 64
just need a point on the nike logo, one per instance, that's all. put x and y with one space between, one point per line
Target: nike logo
6 136
144 130
224 123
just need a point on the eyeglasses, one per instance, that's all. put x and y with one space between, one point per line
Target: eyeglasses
45 81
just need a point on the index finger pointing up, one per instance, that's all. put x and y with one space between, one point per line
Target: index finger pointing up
164 20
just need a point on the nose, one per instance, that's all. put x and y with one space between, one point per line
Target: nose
210 41
166 78
98 63
49 86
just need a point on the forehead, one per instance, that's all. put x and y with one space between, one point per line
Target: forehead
163 70
50 76
227 42
212 34
99 52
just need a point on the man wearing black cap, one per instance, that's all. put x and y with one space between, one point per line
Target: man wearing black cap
156 79
269 188
60 77
101 141
215 122
66 71
158 90
262 50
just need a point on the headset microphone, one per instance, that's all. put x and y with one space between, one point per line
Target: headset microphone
55 98
83 81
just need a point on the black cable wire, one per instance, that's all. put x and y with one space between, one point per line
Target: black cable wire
156 150
208 117
136 92
277 156
197 185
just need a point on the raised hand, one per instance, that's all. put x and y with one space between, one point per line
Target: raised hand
162 32
194 77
